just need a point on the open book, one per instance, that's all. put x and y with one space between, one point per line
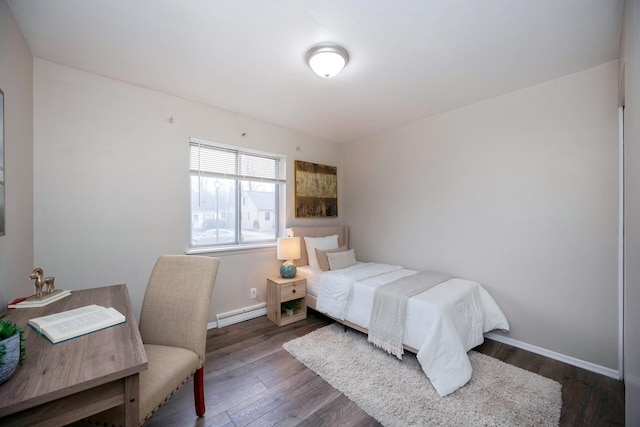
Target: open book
74 323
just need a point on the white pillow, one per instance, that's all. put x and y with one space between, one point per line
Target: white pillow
322 243
338 260
323 261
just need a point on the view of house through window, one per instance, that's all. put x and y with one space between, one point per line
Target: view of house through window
237 195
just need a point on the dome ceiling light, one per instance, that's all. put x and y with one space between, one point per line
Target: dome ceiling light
327 59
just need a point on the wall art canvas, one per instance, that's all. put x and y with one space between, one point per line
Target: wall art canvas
2 210
316 190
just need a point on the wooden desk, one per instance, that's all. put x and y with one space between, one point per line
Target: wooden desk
62 383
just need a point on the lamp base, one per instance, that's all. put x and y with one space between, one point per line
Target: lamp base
288 270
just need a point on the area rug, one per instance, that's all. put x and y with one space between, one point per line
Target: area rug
398 393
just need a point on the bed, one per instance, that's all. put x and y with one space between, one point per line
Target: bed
441 323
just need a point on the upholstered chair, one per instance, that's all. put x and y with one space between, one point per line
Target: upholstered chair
173 327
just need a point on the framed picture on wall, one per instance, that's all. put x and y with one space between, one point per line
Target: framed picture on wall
2 210
316 190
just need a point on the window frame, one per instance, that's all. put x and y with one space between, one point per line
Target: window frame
279 182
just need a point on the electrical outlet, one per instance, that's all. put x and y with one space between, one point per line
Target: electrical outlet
253 293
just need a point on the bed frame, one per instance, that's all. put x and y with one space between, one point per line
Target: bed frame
343 239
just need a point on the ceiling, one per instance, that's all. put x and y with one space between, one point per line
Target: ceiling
409 58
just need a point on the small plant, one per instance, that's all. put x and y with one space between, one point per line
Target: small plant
291 305
7 329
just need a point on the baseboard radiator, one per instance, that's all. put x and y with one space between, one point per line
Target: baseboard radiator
239 315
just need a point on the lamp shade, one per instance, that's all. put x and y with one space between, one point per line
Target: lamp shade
288 248
327 60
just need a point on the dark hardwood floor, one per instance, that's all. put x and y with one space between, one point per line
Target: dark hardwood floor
251 381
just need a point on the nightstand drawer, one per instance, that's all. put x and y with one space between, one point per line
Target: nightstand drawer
293 290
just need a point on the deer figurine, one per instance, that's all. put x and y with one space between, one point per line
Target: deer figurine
40 281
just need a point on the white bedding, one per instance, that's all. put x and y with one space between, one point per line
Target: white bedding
313 278
443 323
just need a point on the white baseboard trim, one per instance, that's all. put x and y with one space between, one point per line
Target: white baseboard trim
611 373
239 315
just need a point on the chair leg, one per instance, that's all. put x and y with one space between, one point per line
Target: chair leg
198 391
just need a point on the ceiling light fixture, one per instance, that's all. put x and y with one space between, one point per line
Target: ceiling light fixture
327 59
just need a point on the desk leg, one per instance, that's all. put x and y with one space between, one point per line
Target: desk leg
131 400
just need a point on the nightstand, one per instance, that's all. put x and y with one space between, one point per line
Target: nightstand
282 293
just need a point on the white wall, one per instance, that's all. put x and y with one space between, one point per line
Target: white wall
630 65
111 181
16 81
518 192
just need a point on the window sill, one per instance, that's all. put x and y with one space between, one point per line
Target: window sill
222 250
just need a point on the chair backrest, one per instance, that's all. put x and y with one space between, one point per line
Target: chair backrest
177 302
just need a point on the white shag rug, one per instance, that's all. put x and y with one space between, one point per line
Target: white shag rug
398 393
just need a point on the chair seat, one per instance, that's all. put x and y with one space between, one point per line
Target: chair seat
168 369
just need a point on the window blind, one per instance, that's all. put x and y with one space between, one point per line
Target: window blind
207 159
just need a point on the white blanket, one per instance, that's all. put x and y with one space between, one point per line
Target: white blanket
335 286
443 323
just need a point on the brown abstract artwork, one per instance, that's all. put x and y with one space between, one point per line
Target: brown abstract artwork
316 190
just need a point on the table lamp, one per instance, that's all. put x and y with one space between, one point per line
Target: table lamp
288 250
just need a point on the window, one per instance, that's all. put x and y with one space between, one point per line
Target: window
229 187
